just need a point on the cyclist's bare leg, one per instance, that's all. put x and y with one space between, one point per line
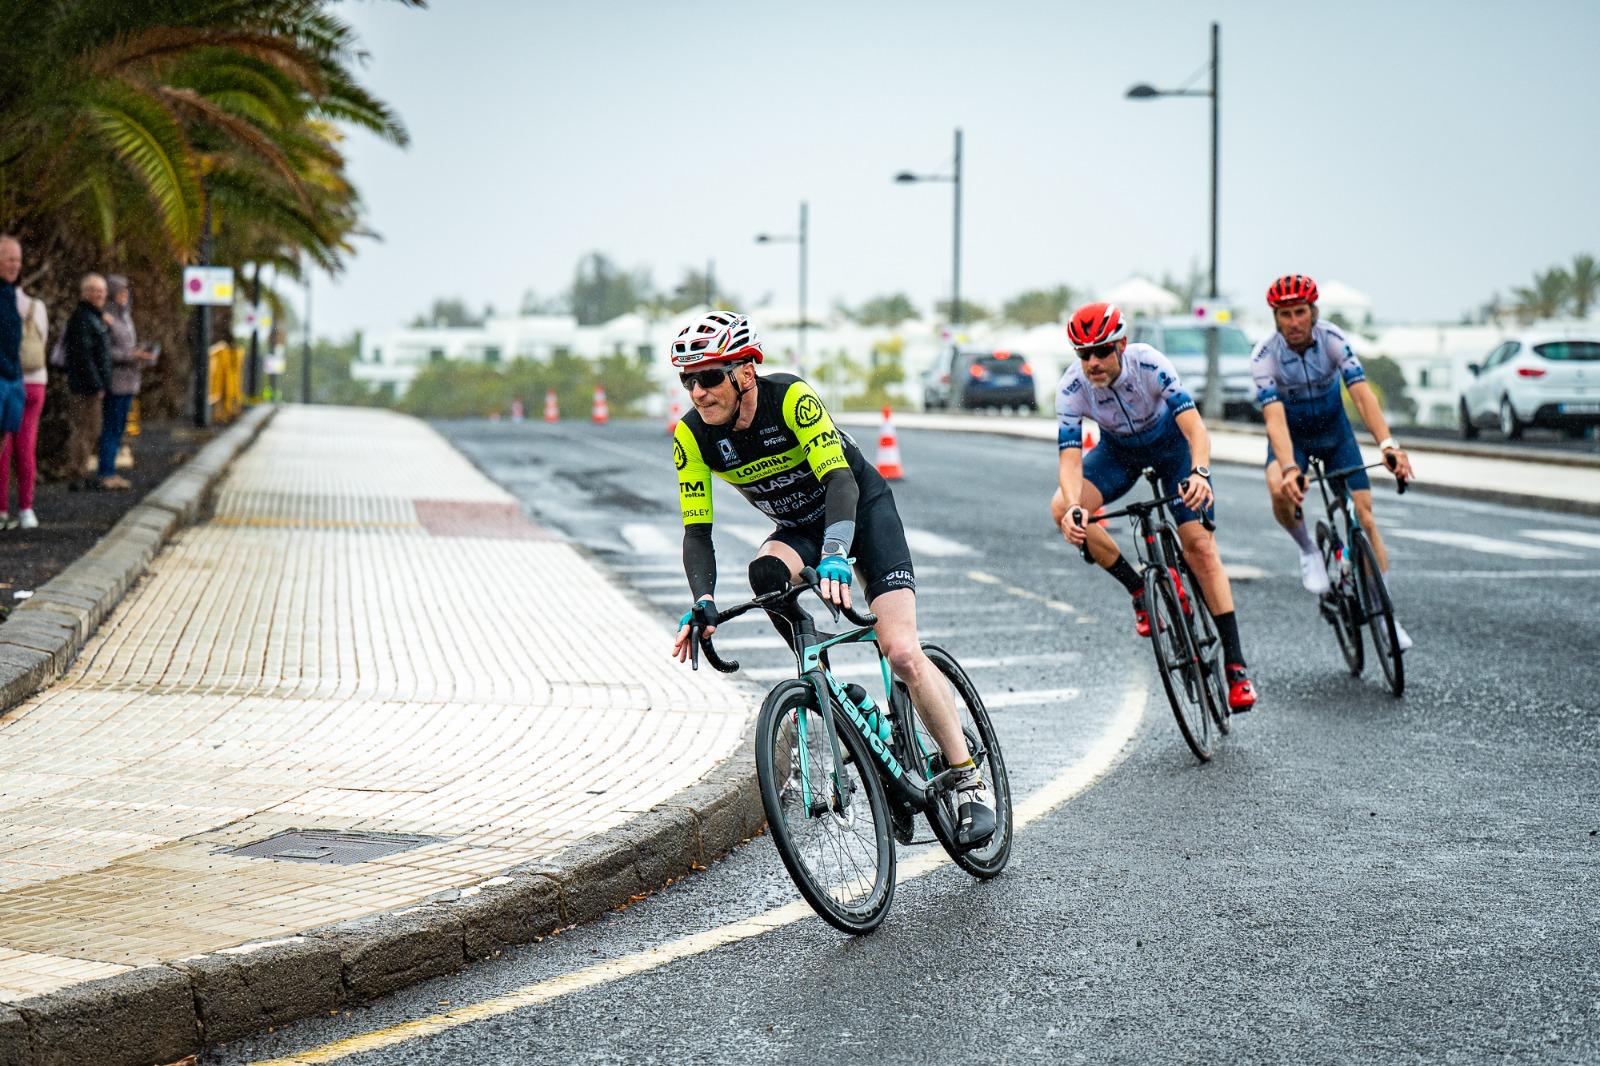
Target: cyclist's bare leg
1101 545
1200 552
1362 498
897 636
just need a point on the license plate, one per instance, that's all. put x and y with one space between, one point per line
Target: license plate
1580 408
1005 380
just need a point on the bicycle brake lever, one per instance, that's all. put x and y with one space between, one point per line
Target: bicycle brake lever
694 647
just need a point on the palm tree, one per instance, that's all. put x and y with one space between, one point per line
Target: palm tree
1584 284
1545 298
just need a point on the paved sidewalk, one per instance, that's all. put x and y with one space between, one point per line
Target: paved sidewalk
367 636
1559 486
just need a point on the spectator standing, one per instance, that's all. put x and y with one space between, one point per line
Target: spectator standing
13 397
18 451
87 346
127 360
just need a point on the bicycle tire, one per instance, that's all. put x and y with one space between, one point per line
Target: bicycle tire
990 858
1379 613
1208 642
1177 662
1345 623
853 901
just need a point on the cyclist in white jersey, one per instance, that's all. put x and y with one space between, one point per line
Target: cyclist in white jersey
1297 374
1146 419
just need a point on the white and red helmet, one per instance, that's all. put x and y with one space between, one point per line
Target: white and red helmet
716 337
1096 324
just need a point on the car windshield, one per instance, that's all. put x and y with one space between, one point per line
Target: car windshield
1191 340
994 364
1569 351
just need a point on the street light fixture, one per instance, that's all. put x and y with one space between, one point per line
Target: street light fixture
801 239
905 177
1213 396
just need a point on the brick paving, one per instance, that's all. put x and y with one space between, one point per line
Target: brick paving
367 635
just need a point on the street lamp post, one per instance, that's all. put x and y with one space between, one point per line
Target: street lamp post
1213 396
801 239
905 177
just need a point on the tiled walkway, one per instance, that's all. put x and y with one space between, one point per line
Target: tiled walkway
369 636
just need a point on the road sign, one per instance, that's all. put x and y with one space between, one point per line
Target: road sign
1213 312
208 286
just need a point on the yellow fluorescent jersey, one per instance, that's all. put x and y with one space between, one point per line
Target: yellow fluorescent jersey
778 463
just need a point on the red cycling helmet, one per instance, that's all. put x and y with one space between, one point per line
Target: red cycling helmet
1096 324
1291 289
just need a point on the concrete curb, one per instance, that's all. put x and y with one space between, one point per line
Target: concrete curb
160 1014
1020 428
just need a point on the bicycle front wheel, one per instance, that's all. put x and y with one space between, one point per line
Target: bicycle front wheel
1339 606
829 820
1178 663
1379 611
1208 643
990 857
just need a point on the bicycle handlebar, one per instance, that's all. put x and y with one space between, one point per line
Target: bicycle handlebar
809 582
1140 509
1333 476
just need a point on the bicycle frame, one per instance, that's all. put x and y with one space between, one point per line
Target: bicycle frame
1336 501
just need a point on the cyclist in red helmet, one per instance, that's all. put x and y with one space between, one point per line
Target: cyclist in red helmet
1297 372
1146 419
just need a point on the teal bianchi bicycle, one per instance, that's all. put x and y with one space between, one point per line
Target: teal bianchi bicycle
843 777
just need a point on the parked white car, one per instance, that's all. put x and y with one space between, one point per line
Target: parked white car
1541 378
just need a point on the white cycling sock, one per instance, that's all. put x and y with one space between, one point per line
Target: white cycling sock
1302 538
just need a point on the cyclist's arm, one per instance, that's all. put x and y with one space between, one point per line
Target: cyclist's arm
1194 431
694 502
808 419
1278 436
1264 372
1366 402
1069 443
1069 474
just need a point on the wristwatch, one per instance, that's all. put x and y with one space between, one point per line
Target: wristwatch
833 547
1203 471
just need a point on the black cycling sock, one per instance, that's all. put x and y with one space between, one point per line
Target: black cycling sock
1228 627
1127 575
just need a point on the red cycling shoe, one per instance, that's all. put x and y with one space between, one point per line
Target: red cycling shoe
1241 692
1141 617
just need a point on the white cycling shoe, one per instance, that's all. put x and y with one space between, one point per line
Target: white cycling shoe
1402 637
1313 575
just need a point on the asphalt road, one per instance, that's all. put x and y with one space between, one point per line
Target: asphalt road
1354 878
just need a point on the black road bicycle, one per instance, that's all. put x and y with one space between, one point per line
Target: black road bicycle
841 786
1188 647
1359 598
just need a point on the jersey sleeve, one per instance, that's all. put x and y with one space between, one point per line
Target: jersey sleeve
1264 371
1069 412
694 477
1340 353
1164 382
808 420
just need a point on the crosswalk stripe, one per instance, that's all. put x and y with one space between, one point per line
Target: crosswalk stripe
647 539
872 670
1486 545
1573 537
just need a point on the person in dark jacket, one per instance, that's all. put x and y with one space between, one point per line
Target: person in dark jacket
87 344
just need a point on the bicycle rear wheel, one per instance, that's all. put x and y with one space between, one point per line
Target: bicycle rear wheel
1379 611
989 858
1338 606
830 823
1178 663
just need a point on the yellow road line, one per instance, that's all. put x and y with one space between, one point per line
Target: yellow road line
1100 758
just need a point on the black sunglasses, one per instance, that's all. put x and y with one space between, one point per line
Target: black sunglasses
1102 351
706 379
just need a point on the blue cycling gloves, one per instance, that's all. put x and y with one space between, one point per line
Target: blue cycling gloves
835 568
707 612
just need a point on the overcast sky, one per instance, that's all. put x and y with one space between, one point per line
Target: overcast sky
1428 152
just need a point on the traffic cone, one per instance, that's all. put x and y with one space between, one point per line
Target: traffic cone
516 410
600 414
552 413
673 416
889 450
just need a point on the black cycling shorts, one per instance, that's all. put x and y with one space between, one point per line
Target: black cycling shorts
882 558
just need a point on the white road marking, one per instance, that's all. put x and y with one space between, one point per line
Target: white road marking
647 539
1245 572
923 542
871 669
1519 575
1032 698
1486 545
1565 536
1095 763
676 582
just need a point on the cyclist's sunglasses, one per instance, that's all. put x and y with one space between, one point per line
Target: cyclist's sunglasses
1099 351
706 379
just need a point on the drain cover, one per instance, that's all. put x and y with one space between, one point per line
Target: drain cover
330 846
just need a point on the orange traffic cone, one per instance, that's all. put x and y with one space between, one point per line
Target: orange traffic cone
552 413
600 414
673 416
889 450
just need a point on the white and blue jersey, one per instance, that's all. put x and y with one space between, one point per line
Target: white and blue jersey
1306 383
1137 410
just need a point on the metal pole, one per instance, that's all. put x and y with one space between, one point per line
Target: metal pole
305 356
804 220
955 269
202 354
252 385
1213 399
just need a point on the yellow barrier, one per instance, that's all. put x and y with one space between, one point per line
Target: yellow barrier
227 382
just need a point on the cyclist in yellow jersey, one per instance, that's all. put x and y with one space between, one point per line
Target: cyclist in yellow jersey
772 440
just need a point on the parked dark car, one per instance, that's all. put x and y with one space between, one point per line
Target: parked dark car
973 378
